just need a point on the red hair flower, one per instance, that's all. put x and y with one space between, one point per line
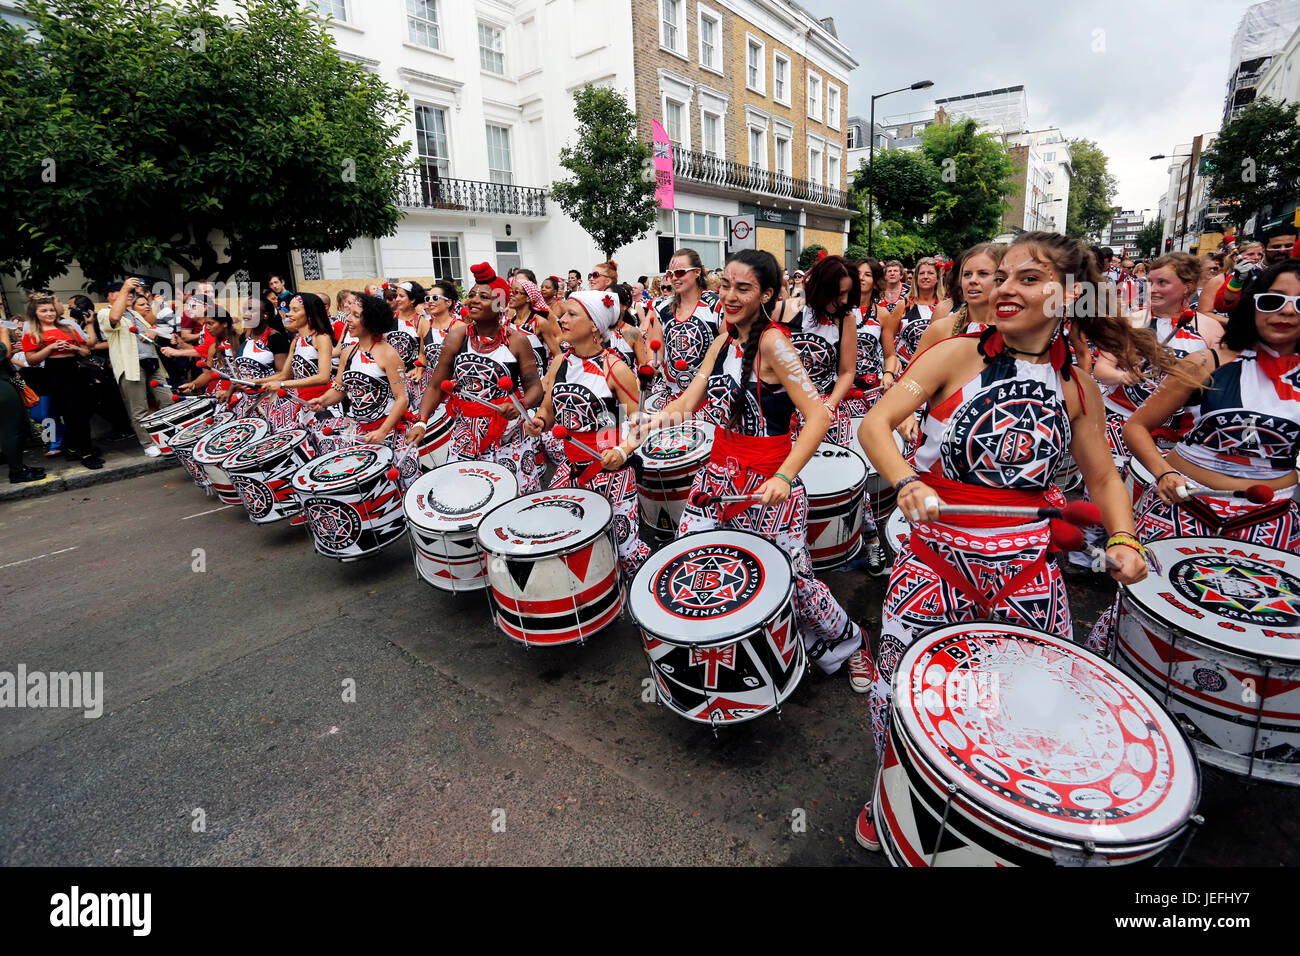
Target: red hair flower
608 302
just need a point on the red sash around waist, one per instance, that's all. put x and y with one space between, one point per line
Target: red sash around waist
760 455
961 493
496 427
602 440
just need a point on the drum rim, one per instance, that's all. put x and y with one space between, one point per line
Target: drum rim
337 484
262 422
1126 592
570 546
302 435
858 483
230 420
965 786
634 589
702 454
463 527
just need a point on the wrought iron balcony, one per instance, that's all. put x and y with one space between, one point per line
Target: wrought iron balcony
714 171
423 188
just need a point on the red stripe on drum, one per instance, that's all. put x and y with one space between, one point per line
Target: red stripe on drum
559 605
563 637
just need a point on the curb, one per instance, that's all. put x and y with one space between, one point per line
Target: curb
85 479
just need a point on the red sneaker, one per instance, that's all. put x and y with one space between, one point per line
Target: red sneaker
297 520
866 830
861 670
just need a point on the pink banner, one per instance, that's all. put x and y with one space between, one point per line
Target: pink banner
663 149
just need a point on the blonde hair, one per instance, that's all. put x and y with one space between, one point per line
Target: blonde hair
938 278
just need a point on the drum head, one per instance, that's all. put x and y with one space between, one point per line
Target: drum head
1044 734
1240 597
266 448
710 587
897 530
1139 470
455 497
221 443
677 445
191 434
550 522
832 469
343 468
856 446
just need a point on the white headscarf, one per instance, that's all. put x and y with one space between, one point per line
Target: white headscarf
601 307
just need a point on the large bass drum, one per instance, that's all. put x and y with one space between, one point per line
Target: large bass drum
352 500
443 510
219 444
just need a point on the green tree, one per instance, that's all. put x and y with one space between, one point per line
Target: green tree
975 174
905 184
808 257
1148 238
612 192
1092 191
1255 161
156 133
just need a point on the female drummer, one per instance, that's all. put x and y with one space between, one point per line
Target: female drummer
625 337
529 315
477 355
1002 407
259 355
408 306
371 375
869 366
970 308
441 302
686 325
1170 286
552 289
908 320
826 343
584 390
311 354
757 369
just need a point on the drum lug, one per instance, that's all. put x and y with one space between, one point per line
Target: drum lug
943 823
1196 821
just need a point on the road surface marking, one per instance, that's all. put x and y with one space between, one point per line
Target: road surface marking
14 564
202 513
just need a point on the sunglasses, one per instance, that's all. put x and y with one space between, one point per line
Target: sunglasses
434 297
596 275
1275 301
678 273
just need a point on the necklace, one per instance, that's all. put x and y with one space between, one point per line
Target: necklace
1015 351
483 344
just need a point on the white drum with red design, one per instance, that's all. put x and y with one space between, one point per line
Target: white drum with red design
262 474
443 509
1137 479
552 566
219 444
897 531
880 494
670 459
1051 753
716 615
167 421
834 479
184 442
1214 632
435 446
353 501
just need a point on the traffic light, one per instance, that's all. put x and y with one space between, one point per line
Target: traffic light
1169 243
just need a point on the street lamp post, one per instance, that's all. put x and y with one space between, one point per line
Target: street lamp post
1039 219
871 155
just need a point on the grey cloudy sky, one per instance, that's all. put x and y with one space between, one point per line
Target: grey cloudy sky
1160 79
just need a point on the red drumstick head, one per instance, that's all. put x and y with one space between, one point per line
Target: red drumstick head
505 383
700 499
1081 513
234 399
392 474
419 363
646 371
1259 494
153 383
1066 537
281 392
135 328
680 365
327 431
176 396
871 380
200 364
450 385
560 432
656 345
209 420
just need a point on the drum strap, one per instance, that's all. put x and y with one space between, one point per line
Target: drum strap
1247 519
952 576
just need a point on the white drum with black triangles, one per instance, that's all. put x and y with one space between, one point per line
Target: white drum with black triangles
443 511
1012 747
552 565
1137 479
184 442
670 459
716 615
352 500
435 446
167 421
880 494
1214 632
262 474
219 444
834 479
897 531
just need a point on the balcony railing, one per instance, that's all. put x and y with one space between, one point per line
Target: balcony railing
714 171
424 188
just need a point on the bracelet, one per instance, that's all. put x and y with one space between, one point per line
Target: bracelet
619 449
1122 539
787 480
890 371
904 482
1171 471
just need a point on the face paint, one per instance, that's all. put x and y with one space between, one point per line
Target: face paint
786 356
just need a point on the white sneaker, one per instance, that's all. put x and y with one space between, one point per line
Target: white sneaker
153 451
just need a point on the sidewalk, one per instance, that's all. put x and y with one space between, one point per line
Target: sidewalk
121 460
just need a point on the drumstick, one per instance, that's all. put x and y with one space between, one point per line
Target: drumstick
451 385
702 499
1066 537
655 346
562 433
506 384
1255 494
645 375
1187 316
1076 512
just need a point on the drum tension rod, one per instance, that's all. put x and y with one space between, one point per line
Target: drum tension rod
1268 664
1197 821
943 823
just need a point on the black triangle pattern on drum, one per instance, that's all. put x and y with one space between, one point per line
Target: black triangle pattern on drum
927 827
520 571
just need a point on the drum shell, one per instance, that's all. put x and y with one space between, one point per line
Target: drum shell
879 492
834 514
1137 479
358 519
213 463
448 561
266 487
444 534
185 452
897 532
1206 688
166 422
665 486
435 446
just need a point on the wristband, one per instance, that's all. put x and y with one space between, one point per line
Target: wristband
1122 539
785 479
1235 283
904 482
1171 471
619 449
890 371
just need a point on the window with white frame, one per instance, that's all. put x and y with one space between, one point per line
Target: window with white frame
757 148
814 96
711 134
338 9
754 51
431 138
674 116
446 258
508 255
782 144
781 78
832 106
422 23
491 49
1049 158
710 40
705 232
498 146
833 170
358 261
814 165
672 25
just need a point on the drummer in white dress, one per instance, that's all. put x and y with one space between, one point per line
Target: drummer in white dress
311 353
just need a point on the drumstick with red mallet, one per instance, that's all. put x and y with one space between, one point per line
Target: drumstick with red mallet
507 384
1255 494
702 499
1080 513
562 433
1066 537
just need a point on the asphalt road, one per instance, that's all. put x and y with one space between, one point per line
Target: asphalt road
224 706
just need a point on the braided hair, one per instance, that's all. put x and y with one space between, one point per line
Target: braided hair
768 273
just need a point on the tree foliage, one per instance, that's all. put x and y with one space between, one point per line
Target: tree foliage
134 132
808 257
975 175
1255 161
905 184
1148 238
612 192
1092 191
